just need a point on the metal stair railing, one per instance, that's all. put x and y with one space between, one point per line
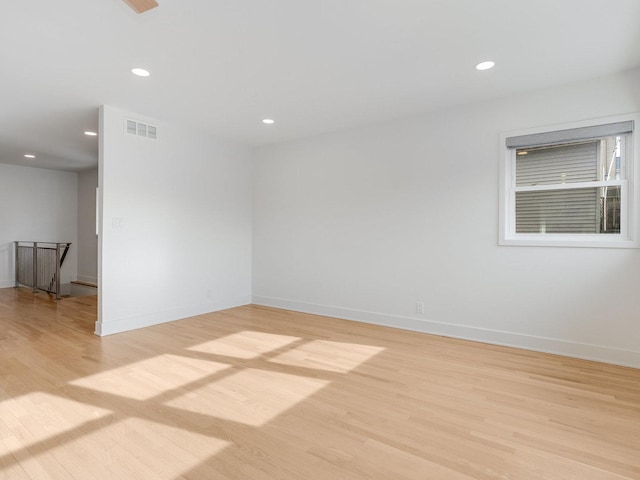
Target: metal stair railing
38 265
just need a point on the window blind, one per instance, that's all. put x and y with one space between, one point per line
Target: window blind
570 135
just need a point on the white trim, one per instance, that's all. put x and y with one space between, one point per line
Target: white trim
559 240
7 283
80 290
570 186
87 279
147 320
630 234
599 353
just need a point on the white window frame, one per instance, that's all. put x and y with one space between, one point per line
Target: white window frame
628 237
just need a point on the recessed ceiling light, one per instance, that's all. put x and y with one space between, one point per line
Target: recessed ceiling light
268 121
28 155
90 134
485 65
140 72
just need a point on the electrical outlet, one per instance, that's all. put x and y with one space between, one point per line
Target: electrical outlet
419 307
117 224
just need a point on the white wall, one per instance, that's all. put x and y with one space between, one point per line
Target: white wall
362 224
36 204
87 239
175 225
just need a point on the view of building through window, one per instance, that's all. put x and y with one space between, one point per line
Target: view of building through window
570 188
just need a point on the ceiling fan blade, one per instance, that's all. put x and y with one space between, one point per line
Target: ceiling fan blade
141 6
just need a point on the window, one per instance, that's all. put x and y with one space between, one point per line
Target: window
570 186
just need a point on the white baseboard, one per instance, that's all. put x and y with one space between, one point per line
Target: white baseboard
7 283
140 321
584 351
79 290
87 279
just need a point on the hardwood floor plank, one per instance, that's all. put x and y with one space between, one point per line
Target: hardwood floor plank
262 393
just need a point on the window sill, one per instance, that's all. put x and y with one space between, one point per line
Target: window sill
576 241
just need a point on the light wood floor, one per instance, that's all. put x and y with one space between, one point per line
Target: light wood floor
259 393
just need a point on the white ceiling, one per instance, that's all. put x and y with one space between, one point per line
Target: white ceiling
221 66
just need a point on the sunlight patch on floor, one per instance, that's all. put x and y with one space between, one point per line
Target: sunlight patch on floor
247 344
343 357
252 396
138 447
151 377
36 417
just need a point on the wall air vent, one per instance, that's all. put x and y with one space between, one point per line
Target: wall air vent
140 129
